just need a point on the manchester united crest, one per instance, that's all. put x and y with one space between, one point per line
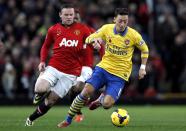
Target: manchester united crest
77 32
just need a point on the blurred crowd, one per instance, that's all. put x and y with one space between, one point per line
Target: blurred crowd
162 23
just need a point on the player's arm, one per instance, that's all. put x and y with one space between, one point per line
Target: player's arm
144 53
45 50
142 46
144 57
102 49
142 71
94 38
88 56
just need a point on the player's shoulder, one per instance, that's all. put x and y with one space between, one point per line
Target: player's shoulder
106 28
53 27
108 25
82 25
134 34
132 30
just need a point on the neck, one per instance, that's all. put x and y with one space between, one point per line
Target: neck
117 31
120 31
65 25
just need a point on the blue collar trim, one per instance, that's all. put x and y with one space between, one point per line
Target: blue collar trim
122 33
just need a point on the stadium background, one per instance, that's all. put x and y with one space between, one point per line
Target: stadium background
162 23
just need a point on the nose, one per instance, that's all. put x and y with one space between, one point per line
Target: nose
122 24
69 17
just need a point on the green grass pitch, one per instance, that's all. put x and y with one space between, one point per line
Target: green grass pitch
143 118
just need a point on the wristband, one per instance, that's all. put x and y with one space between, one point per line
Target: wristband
142 66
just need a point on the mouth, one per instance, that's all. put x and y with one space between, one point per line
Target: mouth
122 28
69 21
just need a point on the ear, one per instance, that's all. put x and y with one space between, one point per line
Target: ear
114 20
60 14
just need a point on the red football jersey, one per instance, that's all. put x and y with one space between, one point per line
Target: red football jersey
67 47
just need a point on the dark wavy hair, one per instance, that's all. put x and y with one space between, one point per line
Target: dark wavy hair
121 11
67 6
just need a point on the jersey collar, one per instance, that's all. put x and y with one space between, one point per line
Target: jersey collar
122 33
67 26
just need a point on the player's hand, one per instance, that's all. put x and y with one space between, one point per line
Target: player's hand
142 73
41 66
96 44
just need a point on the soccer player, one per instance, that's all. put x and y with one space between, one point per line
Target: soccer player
115 67
67 40
87 65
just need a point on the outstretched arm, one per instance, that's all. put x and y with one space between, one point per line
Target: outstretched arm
45 50
96 38
144 57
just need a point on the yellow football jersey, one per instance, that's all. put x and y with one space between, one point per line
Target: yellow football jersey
119 49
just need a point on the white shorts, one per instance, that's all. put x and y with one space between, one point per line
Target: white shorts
86 73
60 82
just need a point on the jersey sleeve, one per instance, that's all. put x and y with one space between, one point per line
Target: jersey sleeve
89 52
46 45
141 45
98 34
87 32
88 56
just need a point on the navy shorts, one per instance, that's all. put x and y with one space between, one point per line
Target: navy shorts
114 84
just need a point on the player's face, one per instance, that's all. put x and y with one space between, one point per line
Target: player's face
121 22
67 16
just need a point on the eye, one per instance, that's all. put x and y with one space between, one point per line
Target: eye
120 21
